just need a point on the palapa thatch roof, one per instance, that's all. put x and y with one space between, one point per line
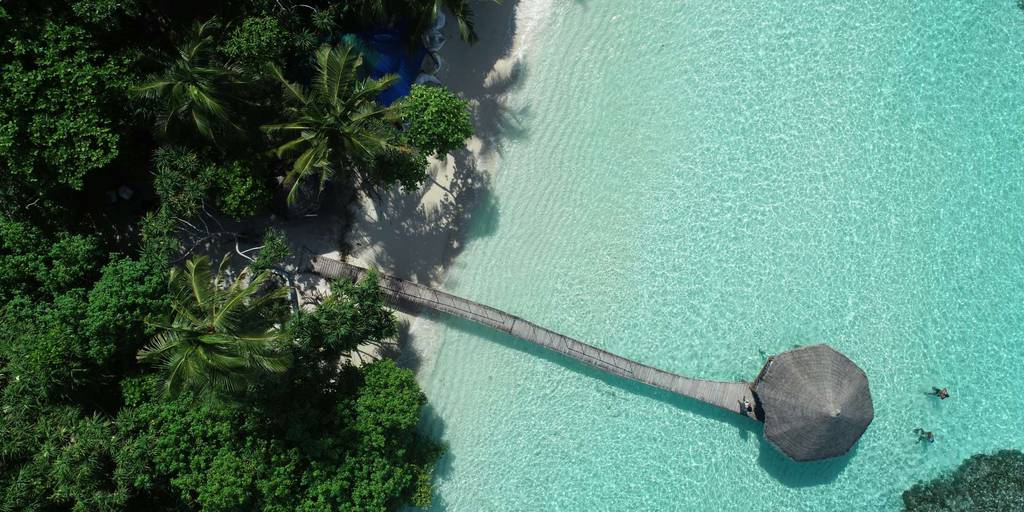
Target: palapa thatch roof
816 402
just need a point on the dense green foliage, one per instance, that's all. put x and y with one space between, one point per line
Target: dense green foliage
184 180
71 441
127 127
257 42
438 120
318 453
194 90
59 98
335 124
982 483
62 344
351 315
272 251
220 336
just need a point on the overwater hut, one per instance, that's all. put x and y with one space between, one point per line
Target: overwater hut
816 402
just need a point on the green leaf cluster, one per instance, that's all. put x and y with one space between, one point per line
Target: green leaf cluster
438 121
185 181
85 426
273 251
61 99
334 125
257 42
324 453
220 335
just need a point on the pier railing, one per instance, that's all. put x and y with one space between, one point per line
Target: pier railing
726 395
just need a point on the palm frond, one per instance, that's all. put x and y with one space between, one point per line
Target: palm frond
306 164
229 312
200 280
336 70
295 91
222 335
463 16
368 90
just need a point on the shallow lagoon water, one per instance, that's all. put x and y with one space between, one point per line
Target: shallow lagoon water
698 184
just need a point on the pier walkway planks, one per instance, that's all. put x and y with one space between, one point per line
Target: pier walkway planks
725 395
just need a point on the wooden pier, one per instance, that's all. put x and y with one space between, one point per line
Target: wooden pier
726 395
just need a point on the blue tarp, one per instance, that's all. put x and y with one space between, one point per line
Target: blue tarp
387 51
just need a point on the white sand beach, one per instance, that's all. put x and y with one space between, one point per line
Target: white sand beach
417 235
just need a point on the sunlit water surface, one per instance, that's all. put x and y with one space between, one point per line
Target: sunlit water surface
698 184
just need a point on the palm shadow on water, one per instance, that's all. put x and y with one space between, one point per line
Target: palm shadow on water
780 467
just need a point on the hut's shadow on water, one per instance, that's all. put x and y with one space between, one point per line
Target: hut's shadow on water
800 474
780 467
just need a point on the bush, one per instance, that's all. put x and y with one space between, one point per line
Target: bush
126 293
407 168
438 120
257 42
180 180
274 251
59 101
239 193
981 483
73 261
184 180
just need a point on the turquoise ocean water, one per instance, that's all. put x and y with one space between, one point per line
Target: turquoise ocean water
698 184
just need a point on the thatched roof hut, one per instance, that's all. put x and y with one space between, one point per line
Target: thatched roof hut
816 402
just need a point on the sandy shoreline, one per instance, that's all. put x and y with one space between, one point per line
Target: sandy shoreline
418 235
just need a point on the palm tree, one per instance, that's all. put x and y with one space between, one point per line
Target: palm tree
423 13
336 121
221 335
195 87
459 8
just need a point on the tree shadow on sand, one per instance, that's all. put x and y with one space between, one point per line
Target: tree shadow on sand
485 72
401 223
417 235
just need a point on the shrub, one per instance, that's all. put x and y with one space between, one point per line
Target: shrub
257 42
184 180
239 193
180 181
59 97
126 293
407 168
438 120
274 251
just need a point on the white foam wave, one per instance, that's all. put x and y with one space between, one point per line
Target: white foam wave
531 17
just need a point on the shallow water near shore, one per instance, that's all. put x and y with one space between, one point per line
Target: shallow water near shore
695 185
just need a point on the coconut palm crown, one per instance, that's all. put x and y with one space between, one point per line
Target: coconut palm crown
195 88
220 336
336 122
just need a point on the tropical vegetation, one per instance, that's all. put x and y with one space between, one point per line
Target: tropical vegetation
133 374
335 124
220 336
194 90
437 120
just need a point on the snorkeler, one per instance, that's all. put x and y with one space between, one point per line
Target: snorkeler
941 393
924 435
